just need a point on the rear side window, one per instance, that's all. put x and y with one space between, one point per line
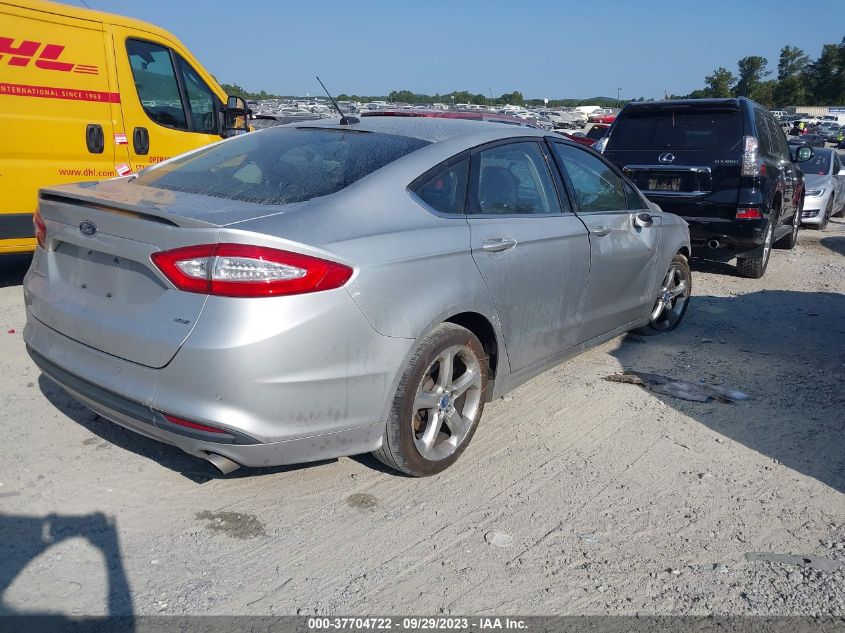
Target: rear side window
514 179
763 136
597 187
446 190
155 82
677 129
280 165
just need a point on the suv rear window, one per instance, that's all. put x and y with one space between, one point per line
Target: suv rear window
652 129
280 165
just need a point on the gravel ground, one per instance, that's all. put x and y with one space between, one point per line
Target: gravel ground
576 496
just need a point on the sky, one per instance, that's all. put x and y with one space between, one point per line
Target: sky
543 48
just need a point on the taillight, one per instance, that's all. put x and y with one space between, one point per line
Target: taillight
750 156
749 214
40 229
240 270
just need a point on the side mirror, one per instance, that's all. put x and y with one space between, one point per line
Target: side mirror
841 172
235 117
804 153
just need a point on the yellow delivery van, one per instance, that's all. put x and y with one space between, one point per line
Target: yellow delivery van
86 95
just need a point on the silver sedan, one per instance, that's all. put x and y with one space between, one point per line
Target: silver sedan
306 292
824 183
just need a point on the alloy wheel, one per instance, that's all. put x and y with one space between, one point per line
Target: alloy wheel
447 402
671 298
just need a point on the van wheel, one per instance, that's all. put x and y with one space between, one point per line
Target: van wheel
755 267
438 404
841 212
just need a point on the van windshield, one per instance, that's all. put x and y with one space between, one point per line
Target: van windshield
280 165
661 129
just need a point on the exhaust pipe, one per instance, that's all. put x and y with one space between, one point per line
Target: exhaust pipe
713 244
223 464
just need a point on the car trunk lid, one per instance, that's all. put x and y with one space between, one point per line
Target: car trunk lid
97 285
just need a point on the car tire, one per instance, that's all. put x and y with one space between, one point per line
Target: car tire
671 303
826 217
424 440
755 267
841 212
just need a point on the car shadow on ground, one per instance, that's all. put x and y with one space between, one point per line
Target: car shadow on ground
835 244
13 268
194 468
785 349
705 265
25 538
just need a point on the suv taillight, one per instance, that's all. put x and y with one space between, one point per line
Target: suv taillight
240 270
750 156
40 229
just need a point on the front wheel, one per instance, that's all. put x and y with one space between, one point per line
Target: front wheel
672 298
438 403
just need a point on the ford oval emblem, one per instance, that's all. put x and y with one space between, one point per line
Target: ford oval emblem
666 157
88 228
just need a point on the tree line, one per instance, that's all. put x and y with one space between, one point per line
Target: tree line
800 80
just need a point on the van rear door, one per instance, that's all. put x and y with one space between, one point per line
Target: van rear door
55 112
686 158
168 106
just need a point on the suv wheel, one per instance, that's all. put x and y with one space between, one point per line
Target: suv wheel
438 403
755 267
841 212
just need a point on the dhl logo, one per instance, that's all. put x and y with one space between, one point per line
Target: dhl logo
47 59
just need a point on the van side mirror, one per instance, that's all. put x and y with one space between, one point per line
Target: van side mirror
803 153
235 117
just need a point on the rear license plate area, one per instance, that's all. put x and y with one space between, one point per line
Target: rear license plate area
664 183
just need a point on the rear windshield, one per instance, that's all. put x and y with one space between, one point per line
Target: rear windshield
280 165
677 130
597 132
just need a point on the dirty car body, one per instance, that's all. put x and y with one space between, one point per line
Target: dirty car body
142 299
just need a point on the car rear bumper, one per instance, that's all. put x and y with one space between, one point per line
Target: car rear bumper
290 398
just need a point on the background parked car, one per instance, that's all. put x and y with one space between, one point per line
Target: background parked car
596 132
825 182
808 140
722 164
306 292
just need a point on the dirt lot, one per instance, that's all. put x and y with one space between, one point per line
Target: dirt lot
614 500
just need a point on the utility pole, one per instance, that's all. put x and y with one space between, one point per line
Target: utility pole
618 96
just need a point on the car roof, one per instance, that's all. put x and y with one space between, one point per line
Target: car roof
429 129
688 103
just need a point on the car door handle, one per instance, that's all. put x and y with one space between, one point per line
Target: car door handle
601 231
496 244
643 220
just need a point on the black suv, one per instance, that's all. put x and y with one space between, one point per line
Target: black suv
723 165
